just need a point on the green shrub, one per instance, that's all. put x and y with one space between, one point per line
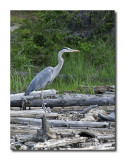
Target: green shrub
36 43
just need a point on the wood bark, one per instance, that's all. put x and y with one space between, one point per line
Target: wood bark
34 94
59 123
110 117
64 102
106 137
88 109
58 143
32 114
66 129
93 147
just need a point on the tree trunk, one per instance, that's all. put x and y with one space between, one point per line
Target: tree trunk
59 123
64 102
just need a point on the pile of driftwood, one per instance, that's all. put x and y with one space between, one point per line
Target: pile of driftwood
76 121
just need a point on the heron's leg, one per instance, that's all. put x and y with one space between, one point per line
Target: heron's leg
43 104
24 101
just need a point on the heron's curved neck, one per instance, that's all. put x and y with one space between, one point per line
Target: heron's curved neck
60 59
60 63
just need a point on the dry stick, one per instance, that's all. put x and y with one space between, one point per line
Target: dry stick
110 117
88 109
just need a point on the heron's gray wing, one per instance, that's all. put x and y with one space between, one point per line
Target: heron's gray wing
40 80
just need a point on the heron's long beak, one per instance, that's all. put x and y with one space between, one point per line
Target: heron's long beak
76 50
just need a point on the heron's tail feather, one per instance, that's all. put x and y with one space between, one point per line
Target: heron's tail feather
27 91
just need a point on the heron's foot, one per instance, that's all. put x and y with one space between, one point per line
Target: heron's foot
45 109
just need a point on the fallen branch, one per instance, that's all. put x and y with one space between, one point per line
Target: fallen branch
97 100
110 117
35 94
88 109
59 123
32 114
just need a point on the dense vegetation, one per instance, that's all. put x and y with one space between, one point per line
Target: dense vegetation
40 36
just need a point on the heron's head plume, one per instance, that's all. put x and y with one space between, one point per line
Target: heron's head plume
66 49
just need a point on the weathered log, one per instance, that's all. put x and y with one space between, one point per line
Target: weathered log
106 137
33 114
61 145
34 94
58 143
59 123
87 101
22 131
91 148
17 129
41 134
25 130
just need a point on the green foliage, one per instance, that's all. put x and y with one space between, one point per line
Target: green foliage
42 34
20 81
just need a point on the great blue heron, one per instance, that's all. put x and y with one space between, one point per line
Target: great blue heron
47 75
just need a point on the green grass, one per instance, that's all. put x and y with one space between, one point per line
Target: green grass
94 65
19 82
78 69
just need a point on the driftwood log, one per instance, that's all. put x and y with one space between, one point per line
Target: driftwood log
64 102
59 123
92 147
34 94
65 128
58 143
32 114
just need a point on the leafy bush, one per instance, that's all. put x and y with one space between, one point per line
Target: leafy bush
42 34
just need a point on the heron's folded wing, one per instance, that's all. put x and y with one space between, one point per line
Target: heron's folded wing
40 80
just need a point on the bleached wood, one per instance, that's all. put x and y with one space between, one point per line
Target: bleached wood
64 102
59 123
34 94
58 143
32 114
